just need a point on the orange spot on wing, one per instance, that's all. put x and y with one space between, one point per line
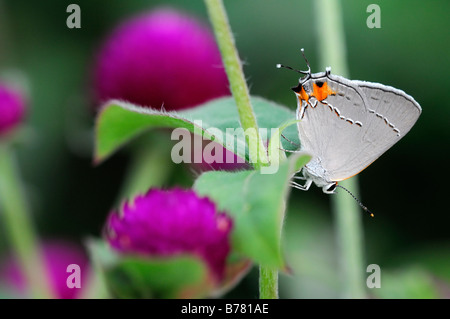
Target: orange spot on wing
321 93
302 95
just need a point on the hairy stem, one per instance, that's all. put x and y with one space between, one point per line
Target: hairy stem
238 85
268 283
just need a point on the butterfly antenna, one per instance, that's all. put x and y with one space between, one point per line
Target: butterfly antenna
279 66
357 200
306 60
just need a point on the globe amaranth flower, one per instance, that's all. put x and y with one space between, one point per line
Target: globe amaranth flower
57 256
166 223
163 58
160 58
12 108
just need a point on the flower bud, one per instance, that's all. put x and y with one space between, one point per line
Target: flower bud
171 223
12 108
161 58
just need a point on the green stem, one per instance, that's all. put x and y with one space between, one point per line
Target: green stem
268 283
257 151
238 85
332 50
19 228
350 239
97 287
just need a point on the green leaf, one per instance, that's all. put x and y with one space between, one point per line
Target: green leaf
256 201
139 277
275 149
119 122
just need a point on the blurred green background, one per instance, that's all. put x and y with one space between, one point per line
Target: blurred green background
406 188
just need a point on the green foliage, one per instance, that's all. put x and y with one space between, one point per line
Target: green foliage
255 199
139 277
120 122
256 202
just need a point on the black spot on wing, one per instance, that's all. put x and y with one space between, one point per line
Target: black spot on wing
297 88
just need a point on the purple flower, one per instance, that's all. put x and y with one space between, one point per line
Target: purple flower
12 108
57 256
161 58
167 223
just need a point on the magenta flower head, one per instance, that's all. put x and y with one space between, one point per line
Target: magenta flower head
58 256
12 108
172 223
161 58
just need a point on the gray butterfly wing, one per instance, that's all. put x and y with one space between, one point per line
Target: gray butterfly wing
356 126
397 109
326 130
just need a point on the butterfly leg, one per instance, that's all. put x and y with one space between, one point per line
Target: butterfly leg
304 187
293 143
289 151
